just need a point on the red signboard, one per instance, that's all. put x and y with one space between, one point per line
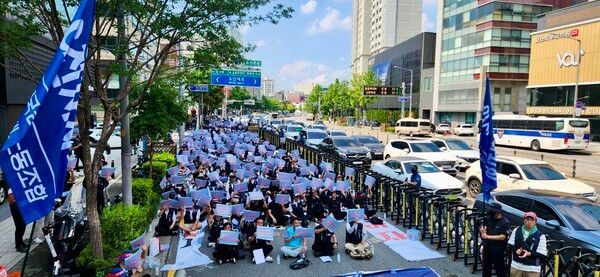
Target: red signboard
574 32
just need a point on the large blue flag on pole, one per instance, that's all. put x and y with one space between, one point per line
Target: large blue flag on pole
34 156
487 148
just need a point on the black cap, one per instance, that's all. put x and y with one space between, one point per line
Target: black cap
495 207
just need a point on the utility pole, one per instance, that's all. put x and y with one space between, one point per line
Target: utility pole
402 102
576 94
410 93
125 134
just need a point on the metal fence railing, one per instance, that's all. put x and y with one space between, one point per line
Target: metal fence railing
444 220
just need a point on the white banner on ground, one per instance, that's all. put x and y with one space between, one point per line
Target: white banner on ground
189 256
385 232
413 250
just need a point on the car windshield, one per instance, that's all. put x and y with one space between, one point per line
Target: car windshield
367 140
583 217
294 129
467 126
321 127
316 135
443 125
338 133
345 142
425 147
423 167
458 145
578 123
275 122
541 172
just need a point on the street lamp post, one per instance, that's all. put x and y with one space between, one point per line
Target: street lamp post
576 96
411 88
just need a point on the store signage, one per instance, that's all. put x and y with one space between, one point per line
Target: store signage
567 59
559 35
544 110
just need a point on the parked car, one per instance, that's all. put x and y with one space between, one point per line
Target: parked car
335 133
464 129
347 149
423 149
114 141
3 188
442 128
465 154
319 126
574 220
374 145
275 123
432 178
413 127
312 137
298 123
514 173
292 131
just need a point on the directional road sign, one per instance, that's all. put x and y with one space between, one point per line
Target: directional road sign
252 63
198 88
235 78
249 102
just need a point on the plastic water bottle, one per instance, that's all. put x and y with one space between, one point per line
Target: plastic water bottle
384 216
338 257
373 249
278 259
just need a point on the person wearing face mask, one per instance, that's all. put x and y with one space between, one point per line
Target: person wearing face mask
223 252
529 248
494 233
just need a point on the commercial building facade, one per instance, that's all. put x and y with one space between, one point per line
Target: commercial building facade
393 66
555 59
484 37
267 87
381 24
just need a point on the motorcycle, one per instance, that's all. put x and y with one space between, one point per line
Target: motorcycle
64 236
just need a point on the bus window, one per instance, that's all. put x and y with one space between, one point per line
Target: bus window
535 124
425 123
519 124
578 123
413 124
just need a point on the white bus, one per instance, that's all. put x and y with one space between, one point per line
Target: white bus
539 133
413 127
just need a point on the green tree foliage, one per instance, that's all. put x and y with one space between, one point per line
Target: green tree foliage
312 102
357 84
159 112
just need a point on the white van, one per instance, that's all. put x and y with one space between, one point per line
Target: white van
413 127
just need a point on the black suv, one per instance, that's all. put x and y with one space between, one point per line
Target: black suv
347 149
574 220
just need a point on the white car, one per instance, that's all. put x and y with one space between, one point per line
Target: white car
464 129
465 154
275 123
515 173
424 149
432 177
442 128
313 137
292 131
114 141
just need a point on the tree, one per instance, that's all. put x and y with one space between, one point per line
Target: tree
358 100
156 31
312 102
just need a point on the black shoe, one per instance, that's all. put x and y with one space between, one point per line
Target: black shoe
22 249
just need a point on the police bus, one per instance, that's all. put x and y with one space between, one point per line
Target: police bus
539 133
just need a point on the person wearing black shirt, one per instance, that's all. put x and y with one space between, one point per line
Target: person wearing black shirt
259 243
494 233
276 214
335 206
325 242
315 208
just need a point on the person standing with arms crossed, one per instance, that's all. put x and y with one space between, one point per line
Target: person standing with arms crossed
494 233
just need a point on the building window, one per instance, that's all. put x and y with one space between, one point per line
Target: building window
496 99
507 99
427 86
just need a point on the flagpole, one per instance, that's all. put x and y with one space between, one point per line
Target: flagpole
28 248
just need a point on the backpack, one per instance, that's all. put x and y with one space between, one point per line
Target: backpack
299 264
376 220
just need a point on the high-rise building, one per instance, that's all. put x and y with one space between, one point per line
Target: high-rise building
304 88
267 87
380 24
484 36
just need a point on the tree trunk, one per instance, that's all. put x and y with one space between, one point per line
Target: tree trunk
90 171
150 154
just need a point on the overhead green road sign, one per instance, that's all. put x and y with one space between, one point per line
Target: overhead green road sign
236 73
253 63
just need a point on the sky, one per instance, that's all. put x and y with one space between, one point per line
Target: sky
314 45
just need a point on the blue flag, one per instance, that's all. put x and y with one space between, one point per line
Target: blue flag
34 156
487 148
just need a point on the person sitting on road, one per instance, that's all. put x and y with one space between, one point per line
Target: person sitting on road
356 245
167 222
276 213
294 246
315 207
325 242
335 206
223 252
255 243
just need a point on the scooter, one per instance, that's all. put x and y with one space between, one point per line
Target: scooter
64 236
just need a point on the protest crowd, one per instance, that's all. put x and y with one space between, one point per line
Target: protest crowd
243 193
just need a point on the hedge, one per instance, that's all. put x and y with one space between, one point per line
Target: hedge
165 157
158 169
145 193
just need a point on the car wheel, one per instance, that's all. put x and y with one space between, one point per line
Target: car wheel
2 194
474 187
535 145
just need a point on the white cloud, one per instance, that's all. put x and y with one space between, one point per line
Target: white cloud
260 43
330 22
308 7
243 29
427 25
303 71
